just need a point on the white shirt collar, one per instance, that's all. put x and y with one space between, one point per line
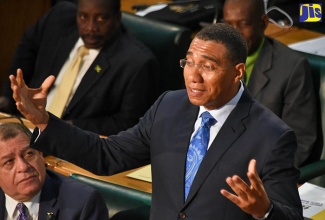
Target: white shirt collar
92 52
32 205
221 114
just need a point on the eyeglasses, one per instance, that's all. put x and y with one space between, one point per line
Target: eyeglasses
205 67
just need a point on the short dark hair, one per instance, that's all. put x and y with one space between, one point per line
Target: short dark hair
257 7
13 129
229 37
114 5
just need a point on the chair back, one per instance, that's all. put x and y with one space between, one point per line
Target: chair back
123 203
168 42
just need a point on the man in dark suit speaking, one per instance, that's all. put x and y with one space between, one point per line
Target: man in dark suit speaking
199 141
29 191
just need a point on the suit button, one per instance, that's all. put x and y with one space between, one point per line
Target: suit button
182 215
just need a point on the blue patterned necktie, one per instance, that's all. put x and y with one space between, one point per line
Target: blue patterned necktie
197 149
22 211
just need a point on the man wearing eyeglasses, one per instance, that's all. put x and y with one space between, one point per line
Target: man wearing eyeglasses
215 153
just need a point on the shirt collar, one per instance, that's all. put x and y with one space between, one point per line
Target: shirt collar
32 205
221 114
81 43
251 59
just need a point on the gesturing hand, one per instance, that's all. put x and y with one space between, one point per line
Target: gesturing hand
251 199
31 102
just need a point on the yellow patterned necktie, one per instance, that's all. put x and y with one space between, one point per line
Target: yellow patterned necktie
63 91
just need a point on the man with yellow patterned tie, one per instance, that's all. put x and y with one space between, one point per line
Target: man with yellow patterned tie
117 80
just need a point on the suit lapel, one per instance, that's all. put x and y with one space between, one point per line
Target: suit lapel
48 200
2 205
259 77
96 71
64 47
53 61
93 74
231 130
186 127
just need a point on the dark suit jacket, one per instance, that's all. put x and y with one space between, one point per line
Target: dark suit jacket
66 199
281 80
162 137
118 95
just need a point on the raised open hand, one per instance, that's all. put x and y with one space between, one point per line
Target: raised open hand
31 102
252 199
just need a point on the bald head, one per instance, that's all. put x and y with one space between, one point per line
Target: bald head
255 6
249 18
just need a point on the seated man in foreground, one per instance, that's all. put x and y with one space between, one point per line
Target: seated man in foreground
199 141
29 191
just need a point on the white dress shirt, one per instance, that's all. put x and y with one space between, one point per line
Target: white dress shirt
87 61
32 206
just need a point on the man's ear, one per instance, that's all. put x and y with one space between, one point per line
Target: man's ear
240 70
265 21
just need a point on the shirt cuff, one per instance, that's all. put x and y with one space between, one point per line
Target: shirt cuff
39 133
267 213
